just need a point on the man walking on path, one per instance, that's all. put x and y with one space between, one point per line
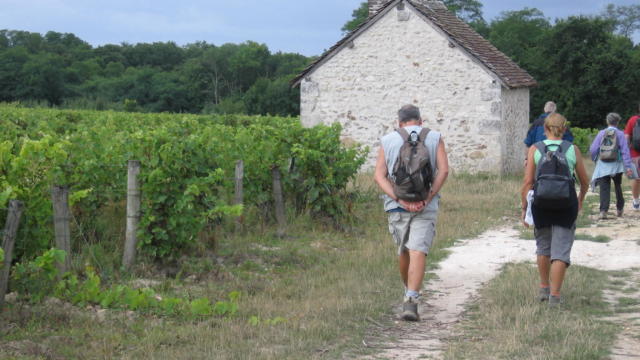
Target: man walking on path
412 224
635 157
536 131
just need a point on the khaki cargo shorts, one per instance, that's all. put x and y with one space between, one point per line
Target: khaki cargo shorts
413 231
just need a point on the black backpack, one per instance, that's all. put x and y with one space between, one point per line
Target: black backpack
553 182
635 137
412 170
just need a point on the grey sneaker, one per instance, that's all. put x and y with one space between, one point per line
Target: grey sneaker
543 294
410 309
620 213
603 215
555 301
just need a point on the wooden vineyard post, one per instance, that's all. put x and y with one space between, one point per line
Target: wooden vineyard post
8 240
61 224
278 200
238 200
133 214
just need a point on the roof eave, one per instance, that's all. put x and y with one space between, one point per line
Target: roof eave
344 42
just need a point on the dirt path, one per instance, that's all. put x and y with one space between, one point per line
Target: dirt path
462 274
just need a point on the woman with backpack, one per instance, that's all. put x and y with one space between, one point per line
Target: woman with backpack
551 166
611 153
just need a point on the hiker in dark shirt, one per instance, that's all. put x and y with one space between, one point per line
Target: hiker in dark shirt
536 131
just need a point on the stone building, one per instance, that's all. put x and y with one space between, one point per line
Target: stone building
416 51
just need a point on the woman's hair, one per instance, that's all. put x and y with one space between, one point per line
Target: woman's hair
555 124
613 119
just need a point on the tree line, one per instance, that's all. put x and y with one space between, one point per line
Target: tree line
589 66
60 69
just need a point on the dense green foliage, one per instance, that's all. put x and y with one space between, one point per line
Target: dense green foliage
582 138
588 65
38 278
188 162
63 70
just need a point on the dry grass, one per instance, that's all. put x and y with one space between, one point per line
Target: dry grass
322 282
508 323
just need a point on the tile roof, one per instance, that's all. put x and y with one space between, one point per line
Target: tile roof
458 32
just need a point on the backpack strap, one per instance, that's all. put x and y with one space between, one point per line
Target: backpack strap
403 133
424 133
565 146
541 146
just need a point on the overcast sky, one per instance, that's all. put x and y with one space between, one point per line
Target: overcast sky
304 26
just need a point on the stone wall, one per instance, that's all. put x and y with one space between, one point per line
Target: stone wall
515 117
403 59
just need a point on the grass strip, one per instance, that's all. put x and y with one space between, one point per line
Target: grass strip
304 297
509 323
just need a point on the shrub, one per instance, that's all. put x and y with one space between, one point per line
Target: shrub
582 138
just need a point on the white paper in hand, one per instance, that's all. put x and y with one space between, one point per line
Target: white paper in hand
528 218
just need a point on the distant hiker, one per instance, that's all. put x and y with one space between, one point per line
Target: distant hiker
411 168
550 170
536 131
610 151
632 132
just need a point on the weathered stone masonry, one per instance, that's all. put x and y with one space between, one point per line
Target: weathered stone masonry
401 59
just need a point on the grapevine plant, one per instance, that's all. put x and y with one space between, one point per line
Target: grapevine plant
188 164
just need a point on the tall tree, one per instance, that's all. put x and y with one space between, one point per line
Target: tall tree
586 70
358 16
625 18
468 10
43 78
520 34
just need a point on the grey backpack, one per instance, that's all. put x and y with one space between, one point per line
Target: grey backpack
412 171
609 146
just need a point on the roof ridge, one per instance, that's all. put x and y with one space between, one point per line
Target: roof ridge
459 32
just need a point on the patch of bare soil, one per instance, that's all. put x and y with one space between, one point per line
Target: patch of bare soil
474 262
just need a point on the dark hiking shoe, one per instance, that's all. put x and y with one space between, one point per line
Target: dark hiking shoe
555 301
543 294
620 213
410 309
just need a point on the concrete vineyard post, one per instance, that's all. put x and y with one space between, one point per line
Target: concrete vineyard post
238 200
278 200
133 214
61 224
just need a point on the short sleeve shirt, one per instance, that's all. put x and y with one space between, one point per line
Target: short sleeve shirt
628 130
571 154
391 144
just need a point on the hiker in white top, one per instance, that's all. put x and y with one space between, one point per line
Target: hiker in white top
411 223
